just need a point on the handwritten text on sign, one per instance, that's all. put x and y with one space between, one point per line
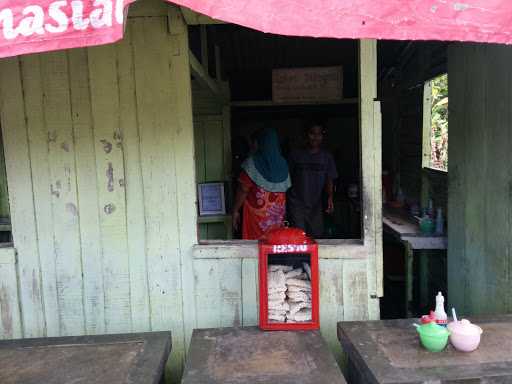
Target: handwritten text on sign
303 85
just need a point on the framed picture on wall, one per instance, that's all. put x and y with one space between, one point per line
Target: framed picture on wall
211 199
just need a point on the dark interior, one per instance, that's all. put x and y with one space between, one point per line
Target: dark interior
247 58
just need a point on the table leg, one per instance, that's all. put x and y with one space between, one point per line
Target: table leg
409 257
424 277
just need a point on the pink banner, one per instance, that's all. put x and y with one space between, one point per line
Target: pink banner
28 26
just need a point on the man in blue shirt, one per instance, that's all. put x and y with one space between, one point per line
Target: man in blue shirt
313 172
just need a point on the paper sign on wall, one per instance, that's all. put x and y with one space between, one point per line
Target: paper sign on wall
303 85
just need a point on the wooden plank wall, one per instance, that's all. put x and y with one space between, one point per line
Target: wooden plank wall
226 292
210 164
99 148
10 320
480 121
99 153
212 147
4 193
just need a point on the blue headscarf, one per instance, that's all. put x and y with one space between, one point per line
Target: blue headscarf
267 167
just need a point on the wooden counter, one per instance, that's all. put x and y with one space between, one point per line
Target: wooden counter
385 352
249 355
106 359
404 228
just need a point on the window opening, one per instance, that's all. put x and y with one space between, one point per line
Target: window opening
254 68
435 123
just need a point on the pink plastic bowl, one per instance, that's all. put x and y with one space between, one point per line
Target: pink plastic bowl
465 339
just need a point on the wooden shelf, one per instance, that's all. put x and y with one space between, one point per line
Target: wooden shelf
404 227
213 219
270 103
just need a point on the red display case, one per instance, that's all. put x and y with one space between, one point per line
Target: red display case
288 250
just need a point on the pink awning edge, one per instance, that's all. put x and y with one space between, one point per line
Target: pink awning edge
451 20
29 26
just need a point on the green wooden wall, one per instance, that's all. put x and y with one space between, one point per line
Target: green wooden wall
4 193
99 153
212 137
480 174
99 148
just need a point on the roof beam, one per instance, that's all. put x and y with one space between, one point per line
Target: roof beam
202 76
204 48
194 18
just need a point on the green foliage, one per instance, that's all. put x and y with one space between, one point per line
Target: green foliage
439 123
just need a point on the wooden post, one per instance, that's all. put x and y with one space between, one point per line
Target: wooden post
409 258
185 172
371 154
204 48
19 178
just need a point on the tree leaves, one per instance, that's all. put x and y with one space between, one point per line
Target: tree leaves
439 123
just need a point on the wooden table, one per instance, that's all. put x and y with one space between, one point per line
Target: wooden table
106 359
406 230
385 352
248 355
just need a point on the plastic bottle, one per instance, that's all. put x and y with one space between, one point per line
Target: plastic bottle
441 316
426 225
430 209
439 222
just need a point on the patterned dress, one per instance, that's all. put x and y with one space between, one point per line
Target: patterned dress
262 210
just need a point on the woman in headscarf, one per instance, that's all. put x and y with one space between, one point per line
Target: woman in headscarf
262 188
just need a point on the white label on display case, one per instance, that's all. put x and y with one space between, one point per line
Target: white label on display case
289 248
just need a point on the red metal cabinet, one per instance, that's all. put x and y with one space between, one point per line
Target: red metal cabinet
289 247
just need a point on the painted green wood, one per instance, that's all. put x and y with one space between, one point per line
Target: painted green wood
479 190
212 151
371 153
343 293
204 102
129 105
508 58
19 177
206 294
226 125
156 106
497 238
216 231
355 290
457 178
476 159
184 157
250 292
230 288
199 146
87 186
135 213
331 301
38 142
10 320
61 161
218 292
110 175
4 192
